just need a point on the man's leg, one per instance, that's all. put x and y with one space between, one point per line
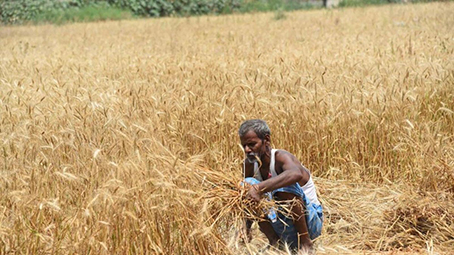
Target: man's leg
297 212
267 229
264 224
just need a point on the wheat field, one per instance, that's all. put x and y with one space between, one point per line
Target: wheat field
121 137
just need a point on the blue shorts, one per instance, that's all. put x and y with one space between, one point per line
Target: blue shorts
284 226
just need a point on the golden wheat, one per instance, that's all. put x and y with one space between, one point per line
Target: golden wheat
121 137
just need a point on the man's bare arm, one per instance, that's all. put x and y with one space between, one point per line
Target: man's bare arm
292 172
286 178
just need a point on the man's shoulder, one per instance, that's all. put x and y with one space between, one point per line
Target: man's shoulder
283 154
284 157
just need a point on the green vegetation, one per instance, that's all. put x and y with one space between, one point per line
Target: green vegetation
84 14
274 5
353 3
360 3
61 11
279 14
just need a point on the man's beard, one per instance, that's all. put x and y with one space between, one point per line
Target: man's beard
254 157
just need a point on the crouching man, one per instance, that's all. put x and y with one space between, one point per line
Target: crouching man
278 175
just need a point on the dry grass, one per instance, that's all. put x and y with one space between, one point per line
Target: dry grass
121 137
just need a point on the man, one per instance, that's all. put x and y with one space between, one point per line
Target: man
278 174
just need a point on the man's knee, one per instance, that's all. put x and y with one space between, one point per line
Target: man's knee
294 203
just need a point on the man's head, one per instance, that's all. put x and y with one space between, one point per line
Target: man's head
255 137
258 126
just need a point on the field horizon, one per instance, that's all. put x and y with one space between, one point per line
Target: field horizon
120 137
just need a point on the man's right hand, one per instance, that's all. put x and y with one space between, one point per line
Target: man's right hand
254 193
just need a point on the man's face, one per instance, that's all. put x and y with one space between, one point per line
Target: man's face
252 145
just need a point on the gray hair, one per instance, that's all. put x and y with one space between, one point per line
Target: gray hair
258 126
